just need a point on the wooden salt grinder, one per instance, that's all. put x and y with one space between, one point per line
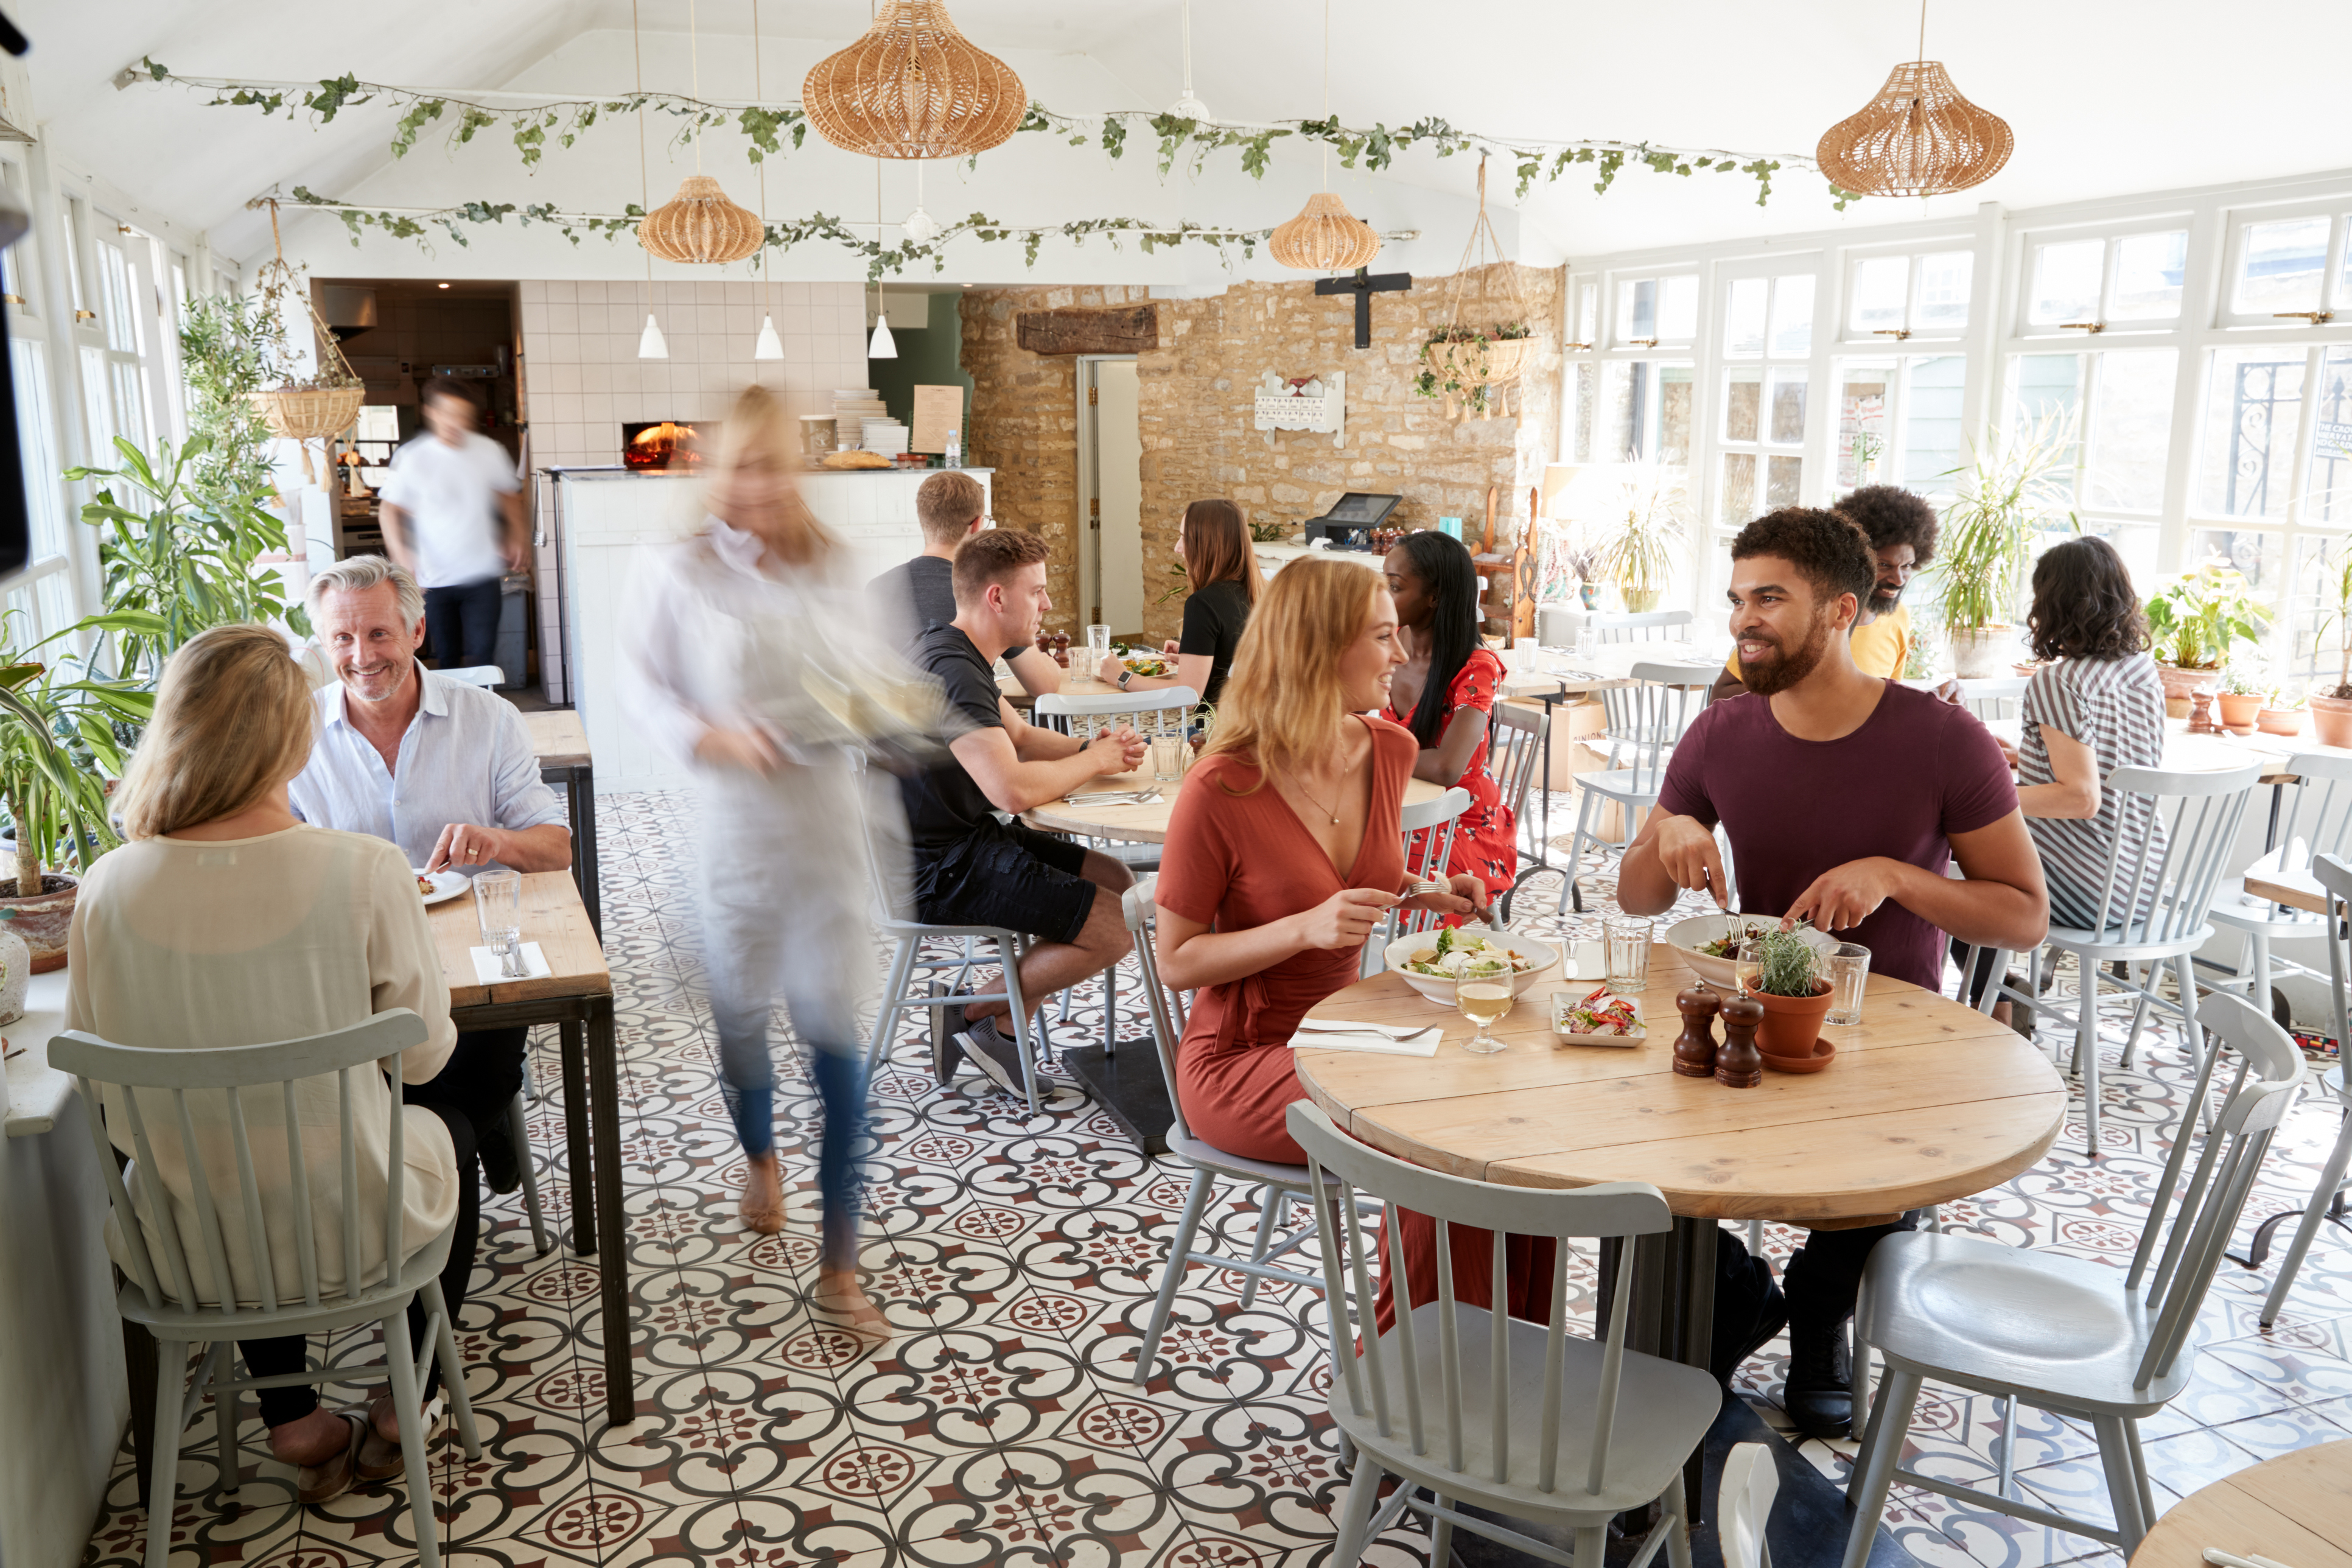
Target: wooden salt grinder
1694 1050
1738 1063
2200 718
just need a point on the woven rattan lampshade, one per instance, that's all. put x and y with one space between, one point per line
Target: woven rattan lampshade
699 224
1918 138
914 88
1324 238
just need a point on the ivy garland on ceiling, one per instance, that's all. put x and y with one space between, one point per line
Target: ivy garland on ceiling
534 129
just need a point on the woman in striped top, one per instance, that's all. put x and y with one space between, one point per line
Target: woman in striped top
2096 704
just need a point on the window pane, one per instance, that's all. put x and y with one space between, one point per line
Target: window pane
1743 397
1584 413
1743 315
1787 408
1944 280
1637 309
1862 426
2148 272
130 406
1879 286
1670 435
1783 478
2135 542
1931 422
1793 317
2317 648
122 323
2256 554
97 410
2251 402
1678 309
73 258
1738 504
1645 413
36 445
2328 495
2131 426
2281 267
1588 311
2041 385
2067 282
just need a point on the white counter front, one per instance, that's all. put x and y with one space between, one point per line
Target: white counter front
604 514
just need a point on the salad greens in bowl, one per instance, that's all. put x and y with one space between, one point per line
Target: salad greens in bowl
1432 960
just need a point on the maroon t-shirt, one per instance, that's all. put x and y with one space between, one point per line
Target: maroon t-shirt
1918 771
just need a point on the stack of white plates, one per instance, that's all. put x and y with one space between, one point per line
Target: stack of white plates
885 436
851 405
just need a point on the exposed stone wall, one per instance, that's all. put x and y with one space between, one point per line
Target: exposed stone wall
1197 399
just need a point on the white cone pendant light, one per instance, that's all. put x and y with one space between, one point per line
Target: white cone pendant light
651 344
770 346
881 346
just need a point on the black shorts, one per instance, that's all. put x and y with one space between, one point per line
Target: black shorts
1006 875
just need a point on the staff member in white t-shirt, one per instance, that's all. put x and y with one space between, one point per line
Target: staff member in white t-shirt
453 517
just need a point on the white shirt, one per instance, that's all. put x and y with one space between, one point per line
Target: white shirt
466 757
451 496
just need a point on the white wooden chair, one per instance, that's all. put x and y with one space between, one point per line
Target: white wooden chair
1647 719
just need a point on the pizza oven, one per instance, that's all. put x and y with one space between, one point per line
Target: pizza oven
659 443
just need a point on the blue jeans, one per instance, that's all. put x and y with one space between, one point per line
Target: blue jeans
462 624
747 1078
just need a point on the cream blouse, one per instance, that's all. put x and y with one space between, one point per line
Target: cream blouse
178 943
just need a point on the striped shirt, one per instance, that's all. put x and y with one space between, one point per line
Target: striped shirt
2114 706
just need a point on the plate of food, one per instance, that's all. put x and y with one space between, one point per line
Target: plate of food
1597 1017
1143 661
1704 943
440 886
1432 960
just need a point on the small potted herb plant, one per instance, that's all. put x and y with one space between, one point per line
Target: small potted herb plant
1793 993
2242 697
2282 713
2331 706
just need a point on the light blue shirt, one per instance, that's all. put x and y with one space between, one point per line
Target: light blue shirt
466 757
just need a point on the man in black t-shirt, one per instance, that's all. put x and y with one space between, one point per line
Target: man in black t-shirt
969 868
917 595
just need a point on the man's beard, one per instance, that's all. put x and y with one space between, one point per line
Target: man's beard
1883 599
1789 669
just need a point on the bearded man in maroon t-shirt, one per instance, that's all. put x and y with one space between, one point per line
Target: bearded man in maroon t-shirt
1845 797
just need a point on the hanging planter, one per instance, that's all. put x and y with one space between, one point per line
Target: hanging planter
316 406
1486 346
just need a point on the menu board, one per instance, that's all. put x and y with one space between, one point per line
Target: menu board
938 410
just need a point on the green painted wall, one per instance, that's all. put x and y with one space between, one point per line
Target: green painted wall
931 357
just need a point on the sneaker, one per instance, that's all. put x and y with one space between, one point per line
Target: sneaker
497 1150
998 1059
1818 1395
945 1022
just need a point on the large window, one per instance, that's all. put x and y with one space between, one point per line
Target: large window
2101 281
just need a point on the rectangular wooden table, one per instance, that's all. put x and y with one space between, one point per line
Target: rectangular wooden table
561 745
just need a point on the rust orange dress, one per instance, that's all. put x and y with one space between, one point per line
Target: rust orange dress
1486 840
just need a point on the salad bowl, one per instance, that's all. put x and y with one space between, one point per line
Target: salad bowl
1531 958
1690 939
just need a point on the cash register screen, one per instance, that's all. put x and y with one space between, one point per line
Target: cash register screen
1356 507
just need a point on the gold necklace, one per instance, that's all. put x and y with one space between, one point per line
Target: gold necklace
1312 801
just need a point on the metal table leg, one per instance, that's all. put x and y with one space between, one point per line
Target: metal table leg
577 1112
612 1271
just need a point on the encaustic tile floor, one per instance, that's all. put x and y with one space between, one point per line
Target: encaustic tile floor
1016 1256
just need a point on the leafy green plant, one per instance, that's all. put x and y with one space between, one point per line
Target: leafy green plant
1788 965
224 345
1269 533
2201 615
2339 614
2246 677
59 743
2009 493
1642 537
1919 660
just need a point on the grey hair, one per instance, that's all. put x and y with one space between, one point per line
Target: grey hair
360 574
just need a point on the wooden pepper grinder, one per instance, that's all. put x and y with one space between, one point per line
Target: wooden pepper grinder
1695 1049
1738 1063
2201 717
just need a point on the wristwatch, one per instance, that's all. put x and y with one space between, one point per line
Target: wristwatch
1124 677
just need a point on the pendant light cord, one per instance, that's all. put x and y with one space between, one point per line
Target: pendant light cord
1326 85
694 66
645 190
1923 29
767 286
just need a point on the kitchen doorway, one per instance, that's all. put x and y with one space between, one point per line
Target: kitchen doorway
1111 495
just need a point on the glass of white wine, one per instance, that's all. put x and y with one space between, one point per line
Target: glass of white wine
1483 1000
1747 963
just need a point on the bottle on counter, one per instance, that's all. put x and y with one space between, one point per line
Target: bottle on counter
954 458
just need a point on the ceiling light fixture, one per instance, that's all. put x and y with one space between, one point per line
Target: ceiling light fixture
1190 106
767 345
1325 237
1918 138
650 343
919 225
699 225
881 345
441 285
913 87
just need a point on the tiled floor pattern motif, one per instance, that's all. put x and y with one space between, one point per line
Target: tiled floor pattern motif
1016 1256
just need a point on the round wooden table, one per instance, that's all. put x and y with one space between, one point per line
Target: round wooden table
2295 1508
1147 824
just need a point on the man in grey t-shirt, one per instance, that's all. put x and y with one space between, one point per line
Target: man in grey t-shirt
920 594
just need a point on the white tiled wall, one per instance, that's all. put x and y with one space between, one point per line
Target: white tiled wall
582 378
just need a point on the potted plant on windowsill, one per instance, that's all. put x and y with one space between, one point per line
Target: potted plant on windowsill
1792 992
2009 494
2244 692
2331 709
2282 713
1644 535
2196 619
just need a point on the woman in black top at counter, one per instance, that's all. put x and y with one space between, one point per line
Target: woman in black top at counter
1215 543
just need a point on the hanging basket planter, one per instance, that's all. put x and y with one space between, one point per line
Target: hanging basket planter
311 416
316 407
1473 364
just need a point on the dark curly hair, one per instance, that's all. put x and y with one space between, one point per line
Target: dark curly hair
2083 604
1830 552
1892 515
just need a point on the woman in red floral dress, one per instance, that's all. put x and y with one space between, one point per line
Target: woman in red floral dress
1445 694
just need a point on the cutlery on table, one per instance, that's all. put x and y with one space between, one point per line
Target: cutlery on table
1339 1026
2221 1558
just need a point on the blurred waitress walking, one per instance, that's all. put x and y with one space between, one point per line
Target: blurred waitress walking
729 624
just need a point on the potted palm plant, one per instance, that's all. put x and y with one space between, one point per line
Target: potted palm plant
1644 534
2196 619
2009 495
2331 709
1794 995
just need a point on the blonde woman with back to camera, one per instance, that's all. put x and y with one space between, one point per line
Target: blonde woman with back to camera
227 922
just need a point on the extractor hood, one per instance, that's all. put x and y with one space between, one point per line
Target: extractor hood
350 310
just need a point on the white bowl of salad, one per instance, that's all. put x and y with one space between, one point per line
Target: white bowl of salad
1704 943
1432 960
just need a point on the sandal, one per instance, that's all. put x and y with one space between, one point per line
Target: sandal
316 1484
841 1297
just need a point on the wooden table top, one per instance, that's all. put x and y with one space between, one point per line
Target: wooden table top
553 917
2295 1508
1149 824
1926 1101
556 736
2296 889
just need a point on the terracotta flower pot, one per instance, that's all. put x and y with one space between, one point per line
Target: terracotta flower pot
2280 722
42 920
1791 1024
2180 684
2331 720
1983 654
2241 711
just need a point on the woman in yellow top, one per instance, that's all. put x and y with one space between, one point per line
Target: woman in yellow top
1902 530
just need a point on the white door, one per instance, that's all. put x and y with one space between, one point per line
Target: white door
1118 473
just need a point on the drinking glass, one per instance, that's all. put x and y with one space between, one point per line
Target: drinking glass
498 904
1482 1002
1849 964
1747 963
1628 955
1169 755
1586 642
1098 649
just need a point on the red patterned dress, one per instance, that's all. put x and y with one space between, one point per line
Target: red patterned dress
1485 841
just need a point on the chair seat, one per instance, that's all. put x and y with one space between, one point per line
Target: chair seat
1620 784
1186 1147
207 1323
1663 1409
2060 1330
2126 942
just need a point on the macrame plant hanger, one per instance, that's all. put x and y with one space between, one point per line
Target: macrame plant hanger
1468 358
324 404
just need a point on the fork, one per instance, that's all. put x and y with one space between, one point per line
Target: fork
1391 1031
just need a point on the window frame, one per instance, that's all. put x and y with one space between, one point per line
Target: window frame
2334 289
2110 235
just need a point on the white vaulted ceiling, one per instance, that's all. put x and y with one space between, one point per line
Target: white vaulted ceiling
2105 99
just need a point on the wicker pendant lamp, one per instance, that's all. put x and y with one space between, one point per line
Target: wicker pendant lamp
913 87
1918 138
699 224
1325 237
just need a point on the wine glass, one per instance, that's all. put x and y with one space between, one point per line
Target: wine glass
1483 1001
1747 963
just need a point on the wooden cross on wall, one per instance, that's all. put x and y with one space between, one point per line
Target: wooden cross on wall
1363 287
